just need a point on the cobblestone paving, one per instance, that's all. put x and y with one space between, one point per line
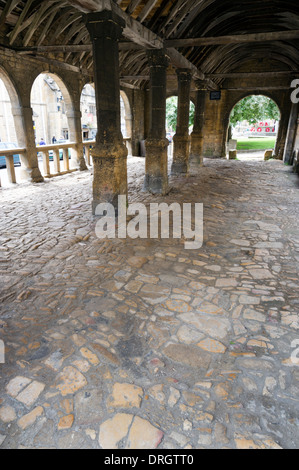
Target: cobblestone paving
141 343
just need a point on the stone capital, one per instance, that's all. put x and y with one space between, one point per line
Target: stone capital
109 151
184 75
200 85
104 24
157 58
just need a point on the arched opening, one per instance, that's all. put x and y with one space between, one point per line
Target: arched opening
10 136
253 126
171 119
49 102
126 120
7 127
55 121
88 112
171 116
88 109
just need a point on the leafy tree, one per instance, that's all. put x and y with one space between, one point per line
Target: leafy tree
253 109
172 111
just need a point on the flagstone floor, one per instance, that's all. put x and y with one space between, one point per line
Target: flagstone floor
131 344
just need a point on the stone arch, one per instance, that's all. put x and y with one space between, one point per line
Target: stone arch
127 117
88 113
10 86
233 101
192 101
69 88
22 117
66 102
13 96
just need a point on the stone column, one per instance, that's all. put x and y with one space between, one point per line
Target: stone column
25 134
196 152
75 135
109 153
156 174
291 134
181 143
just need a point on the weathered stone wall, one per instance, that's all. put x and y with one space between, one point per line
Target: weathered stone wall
217 115
214 126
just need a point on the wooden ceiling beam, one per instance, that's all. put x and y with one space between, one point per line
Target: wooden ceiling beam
252 74
140 35
150 4
233 39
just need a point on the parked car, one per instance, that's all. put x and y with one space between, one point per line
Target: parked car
16 157
59 141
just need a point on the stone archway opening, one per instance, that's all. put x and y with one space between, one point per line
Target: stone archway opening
88 112
49 102
88 109
7 127
253 127
171 116
13 135
56 120
126 120
171 119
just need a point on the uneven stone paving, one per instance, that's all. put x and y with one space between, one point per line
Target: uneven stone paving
141 343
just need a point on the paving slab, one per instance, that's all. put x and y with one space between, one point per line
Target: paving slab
140 343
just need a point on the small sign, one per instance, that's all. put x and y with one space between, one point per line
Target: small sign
215 95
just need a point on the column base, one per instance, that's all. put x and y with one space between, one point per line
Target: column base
155 185
110 174
82 164
196 159
77 158
180 163
196 155
32 175
156 166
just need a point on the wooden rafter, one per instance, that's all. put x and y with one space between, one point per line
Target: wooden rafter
282 73
46 28
132 6
9 7
38 18
65 21
17 27
233 39
183 12
150 4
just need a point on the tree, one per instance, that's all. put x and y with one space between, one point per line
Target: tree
253 109
172 111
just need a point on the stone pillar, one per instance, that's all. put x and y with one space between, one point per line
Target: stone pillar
75 135
156 174
285 107
180 163
291 135
196 152
24 130
109 153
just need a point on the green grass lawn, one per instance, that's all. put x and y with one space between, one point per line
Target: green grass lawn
262 143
